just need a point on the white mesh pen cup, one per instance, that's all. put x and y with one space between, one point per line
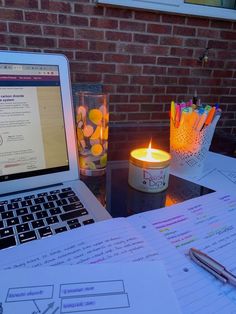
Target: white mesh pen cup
189 148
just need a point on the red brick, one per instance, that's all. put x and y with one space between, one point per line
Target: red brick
209 33
118 36
41 42
153 89
221 24
211 82
181 52
22 4
143 79
41 17
77 20
3 27
129 69
228 35
226 54
178 71
147 16
163 98
168 61
170 80
109 89
129 89
184 31
151 107
171 41
189 62
132 26
122 13
90 34
129 48
88 78
79 66
87 9
58 6
159 28
103 23
189 81
116 79
67 53
102 46
141 98
177 90
194 42
221 91
102 67
89 56
118 98
147 39
25 28
201 72
8 14
144 59
72 44
58 31
155 70
160 116
139 116
217 44
127 108
173 19
195 21
117 58
156 50
222 73
117 117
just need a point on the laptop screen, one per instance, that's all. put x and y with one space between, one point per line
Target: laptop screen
32 130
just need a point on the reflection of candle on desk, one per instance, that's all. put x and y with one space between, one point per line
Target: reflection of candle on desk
149 169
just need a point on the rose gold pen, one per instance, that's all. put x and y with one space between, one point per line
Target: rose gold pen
212 266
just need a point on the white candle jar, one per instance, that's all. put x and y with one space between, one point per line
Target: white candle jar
149 170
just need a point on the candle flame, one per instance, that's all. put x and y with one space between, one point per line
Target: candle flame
149 151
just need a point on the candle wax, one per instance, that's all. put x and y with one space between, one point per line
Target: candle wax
150 155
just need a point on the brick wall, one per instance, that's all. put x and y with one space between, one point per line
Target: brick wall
143 59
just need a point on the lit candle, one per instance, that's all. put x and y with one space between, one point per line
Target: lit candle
149 169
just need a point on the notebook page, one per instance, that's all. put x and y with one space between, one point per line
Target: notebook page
208 224
107 241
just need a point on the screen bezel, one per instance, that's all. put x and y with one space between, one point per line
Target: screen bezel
72 173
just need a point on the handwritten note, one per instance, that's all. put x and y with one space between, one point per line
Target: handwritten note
107 288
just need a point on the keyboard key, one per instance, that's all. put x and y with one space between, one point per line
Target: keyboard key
75 225
55 192
22 211
73 199
72 221
61 229
26 203
66 189
42 214
35 208
39 200
15 200
1 224
29 197
6 215
7 242
62 202
44 232
51 198
27 218
74 214
2 208
73 206
22 228
66 194
3 202
12 206
43 194
48 205
6 232
88 222
38 223
27 236
55 211
52 220
13 221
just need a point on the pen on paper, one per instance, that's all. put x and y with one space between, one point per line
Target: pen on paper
212 266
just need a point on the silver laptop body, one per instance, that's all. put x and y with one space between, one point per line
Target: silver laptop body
38 151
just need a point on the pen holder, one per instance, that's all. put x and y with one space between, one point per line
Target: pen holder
189 148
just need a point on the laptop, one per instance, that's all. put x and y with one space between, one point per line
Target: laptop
40 191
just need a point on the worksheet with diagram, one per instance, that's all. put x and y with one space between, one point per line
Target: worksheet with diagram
132 288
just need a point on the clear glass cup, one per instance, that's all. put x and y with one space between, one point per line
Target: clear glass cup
92 119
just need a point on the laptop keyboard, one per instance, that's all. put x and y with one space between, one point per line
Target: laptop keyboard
40 215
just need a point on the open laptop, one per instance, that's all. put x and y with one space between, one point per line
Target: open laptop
40 190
